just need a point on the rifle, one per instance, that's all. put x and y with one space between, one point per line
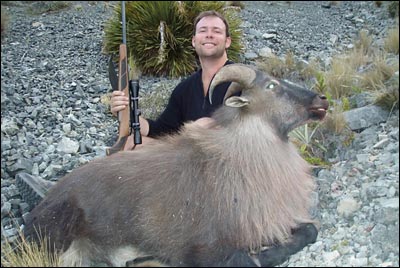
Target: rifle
128 118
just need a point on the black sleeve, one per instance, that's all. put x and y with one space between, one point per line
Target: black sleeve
170 119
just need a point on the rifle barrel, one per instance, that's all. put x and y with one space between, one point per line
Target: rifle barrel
123 22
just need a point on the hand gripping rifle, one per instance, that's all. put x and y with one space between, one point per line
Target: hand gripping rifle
128 118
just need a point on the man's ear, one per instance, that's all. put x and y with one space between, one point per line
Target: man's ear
228 42
236 101
193 41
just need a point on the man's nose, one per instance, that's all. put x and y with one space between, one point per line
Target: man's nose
210 34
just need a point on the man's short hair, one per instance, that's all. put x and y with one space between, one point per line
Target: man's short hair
208 14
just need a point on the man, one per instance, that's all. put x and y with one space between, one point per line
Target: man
189 102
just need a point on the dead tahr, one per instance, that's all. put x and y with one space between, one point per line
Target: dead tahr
202 197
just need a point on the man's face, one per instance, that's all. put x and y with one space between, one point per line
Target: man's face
210 39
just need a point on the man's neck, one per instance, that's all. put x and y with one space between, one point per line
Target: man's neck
209 68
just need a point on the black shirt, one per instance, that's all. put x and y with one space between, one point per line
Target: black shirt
187 103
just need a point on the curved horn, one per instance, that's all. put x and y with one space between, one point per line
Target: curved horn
232 89
242 74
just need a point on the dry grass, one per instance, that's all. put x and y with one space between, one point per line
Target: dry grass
391 43
334 120
364 42
358 57
362 67
27 254
310 69
278 67
273 65
389 97
340 78
380 71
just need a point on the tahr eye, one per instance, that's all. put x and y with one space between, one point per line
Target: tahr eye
272 84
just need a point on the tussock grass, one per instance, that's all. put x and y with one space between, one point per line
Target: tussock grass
389 97
273 65
334 121
310 70
378 72
278 67
23 253
365 67
340 77
391 43
364 42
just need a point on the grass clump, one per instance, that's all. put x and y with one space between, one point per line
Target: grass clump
23 253
378 73
391 42
334 121
364 68
278 67
389 97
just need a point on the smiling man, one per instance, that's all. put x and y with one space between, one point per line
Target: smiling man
189 100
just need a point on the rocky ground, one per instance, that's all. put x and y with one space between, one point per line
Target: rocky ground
53 118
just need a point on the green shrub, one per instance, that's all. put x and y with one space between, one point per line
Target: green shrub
159 34
310 147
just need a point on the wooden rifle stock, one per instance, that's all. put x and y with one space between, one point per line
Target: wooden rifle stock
124 115
129 117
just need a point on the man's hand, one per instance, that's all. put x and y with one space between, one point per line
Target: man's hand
118 101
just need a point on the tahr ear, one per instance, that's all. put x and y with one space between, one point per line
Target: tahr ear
236 101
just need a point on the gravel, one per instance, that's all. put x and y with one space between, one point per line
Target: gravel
53 117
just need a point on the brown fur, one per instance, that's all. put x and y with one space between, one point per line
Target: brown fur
192 198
